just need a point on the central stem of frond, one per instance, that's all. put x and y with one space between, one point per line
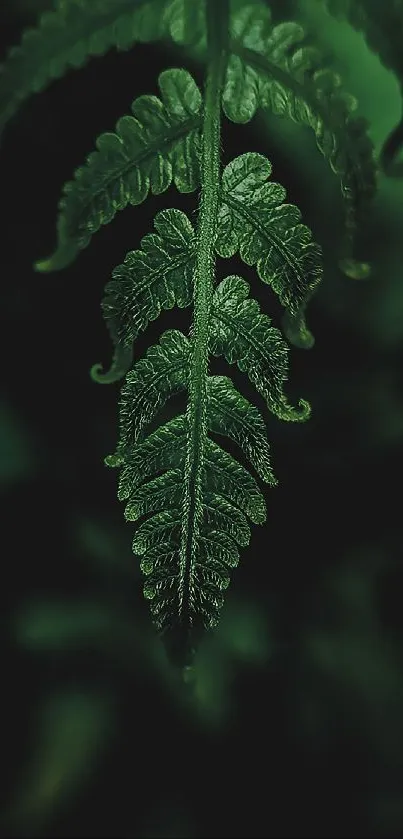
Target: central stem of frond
217 19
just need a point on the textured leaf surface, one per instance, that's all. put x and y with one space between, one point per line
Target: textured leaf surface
254 220
245 336
230 414
159 276
157 146
189 544
186 597
291 80
153 380
153 484
67 37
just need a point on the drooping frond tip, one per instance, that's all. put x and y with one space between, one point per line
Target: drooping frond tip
186 594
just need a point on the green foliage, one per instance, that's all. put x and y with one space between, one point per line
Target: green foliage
270 67
156 146
66 37
254 220
155 470
273 67
151 279
193 497
382 26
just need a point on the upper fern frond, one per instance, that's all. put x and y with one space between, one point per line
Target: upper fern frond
382 26
272 68
155 147
67 37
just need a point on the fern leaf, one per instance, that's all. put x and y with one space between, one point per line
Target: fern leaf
269 67
162 449
253 220
230 414
153 380
155 147
153 485
382 26
268 233
224 474
159 276
155 495
67 37
244 336
153 482
185 23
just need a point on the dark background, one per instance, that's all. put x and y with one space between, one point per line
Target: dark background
295 726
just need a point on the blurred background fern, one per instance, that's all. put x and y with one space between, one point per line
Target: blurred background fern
294 721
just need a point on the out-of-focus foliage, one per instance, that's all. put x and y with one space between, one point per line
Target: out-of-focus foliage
71 730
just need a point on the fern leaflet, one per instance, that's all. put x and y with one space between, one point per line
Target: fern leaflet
271 67
156 146
156 277
254 220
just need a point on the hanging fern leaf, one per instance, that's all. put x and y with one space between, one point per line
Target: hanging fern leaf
185 590
67 37
382 26
271 67
156 146
254 220
156 277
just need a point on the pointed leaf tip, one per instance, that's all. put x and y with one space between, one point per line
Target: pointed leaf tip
61 258
121 363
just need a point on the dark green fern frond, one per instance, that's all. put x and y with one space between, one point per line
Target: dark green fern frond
154 379
66 37
159 276
254 220
186 590
245 337
157 146
382 25
230 414
224 474
271 67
